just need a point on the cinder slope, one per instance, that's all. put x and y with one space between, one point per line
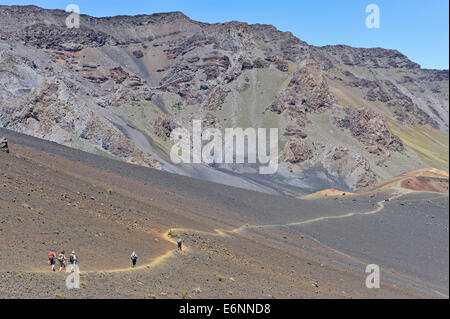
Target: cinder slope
232 237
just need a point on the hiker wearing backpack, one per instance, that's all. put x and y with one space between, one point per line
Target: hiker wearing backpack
62 260
180 243
52 258
133 258
73 259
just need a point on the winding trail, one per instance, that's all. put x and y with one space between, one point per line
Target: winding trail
226 233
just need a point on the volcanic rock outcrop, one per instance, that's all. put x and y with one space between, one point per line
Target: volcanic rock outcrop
371 130
117 86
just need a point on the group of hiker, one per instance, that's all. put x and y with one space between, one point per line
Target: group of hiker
73 259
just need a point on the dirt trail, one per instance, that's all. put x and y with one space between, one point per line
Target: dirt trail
156 261
226 233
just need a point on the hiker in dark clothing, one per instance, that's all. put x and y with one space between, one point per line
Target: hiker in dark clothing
133 258
180 243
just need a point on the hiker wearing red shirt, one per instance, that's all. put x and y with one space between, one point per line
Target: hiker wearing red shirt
52 258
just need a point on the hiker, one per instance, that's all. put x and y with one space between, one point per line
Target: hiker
52 258
62 260
179 242
4 144
73 258
133 258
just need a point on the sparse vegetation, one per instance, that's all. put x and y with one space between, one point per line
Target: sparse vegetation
184 294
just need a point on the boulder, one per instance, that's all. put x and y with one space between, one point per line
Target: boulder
164 127
138 54
296 150
292 130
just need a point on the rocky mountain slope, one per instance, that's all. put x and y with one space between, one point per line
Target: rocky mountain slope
117 86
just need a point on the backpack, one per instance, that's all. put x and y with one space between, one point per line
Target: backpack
61 257
72 258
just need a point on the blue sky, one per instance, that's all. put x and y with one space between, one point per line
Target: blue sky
417 28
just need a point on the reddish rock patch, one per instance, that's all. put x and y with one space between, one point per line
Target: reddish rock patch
424 183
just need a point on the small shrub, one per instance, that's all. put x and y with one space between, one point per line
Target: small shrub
184 294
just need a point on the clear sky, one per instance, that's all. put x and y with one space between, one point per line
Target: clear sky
417 28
